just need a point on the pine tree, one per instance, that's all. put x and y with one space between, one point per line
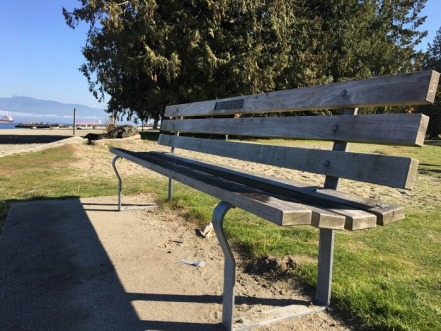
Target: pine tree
146 54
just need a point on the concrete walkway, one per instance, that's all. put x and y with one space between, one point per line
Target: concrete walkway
77 264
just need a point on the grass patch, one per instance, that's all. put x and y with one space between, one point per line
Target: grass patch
387 278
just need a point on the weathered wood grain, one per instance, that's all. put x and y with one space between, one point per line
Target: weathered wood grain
386 212
396 129
378 169
285 189
257 202
417 88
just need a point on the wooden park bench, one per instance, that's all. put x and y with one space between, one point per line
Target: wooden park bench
199 127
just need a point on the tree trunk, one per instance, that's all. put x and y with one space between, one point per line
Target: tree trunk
155 121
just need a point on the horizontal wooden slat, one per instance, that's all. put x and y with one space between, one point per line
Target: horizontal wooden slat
417 88
339 202
397 129
385 212
331 216
255 201
378 169
355 219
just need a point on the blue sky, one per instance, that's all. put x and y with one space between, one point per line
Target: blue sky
40 55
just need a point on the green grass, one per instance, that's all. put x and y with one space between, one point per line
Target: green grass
387 278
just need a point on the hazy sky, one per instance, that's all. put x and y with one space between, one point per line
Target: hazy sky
40 55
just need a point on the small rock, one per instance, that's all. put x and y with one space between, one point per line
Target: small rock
240 320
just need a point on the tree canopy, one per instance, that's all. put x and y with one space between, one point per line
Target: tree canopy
146 54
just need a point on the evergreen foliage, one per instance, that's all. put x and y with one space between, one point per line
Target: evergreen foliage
146 54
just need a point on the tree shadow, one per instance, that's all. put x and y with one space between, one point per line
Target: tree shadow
29 139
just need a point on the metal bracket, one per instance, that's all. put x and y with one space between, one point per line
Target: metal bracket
229 265
119 191
119 180
326 241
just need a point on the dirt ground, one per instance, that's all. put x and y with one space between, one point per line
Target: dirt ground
167 238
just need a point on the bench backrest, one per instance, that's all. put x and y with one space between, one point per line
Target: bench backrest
395 129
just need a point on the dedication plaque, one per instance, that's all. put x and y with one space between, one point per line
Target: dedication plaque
231 104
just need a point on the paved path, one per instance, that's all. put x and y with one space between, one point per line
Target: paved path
75 264
78 264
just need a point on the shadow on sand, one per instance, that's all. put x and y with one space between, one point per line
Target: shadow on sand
56 275
29 139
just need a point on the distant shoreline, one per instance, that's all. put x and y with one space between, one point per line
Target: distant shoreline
48 131
18 140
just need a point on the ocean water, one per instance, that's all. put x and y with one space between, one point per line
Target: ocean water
7 126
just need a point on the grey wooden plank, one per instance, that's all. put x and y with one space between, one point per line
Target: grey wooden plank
319 217
356 219
252 200
385 212
325 219
417 88
378 169
321 207
395 129
338 219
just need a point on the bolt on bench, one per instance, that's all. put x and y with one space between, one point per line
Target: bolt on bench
285 202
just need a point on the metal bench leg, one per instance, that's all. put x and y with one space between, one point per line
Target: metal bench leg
229 265
326 243
119 180
325 260
170 190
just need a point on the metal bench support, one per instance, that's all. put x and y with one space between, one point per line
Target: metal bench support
229 265
325 261
137 206
119 181
326 241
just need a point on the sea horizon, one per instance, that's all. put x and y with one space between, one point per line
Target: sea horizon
7 126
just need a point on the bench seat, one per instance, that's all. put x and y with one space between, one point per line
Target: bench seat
282 202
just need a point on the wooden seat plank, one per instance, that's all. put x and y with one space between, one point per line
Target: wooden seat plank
223 188
372 168
274 209
385 212
355 219
396 129
398 90
311 195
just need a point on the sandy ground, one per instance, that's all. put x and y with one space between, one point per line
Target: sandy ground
166 238
81 265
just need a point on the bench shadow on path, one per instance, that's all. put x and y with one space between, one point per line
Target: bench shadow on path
56 275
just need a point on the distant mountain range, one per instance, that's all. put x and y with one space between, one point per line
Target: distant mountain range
26 109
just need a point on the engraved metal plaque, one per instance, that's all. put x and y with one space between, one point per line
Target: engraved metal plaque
231 104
